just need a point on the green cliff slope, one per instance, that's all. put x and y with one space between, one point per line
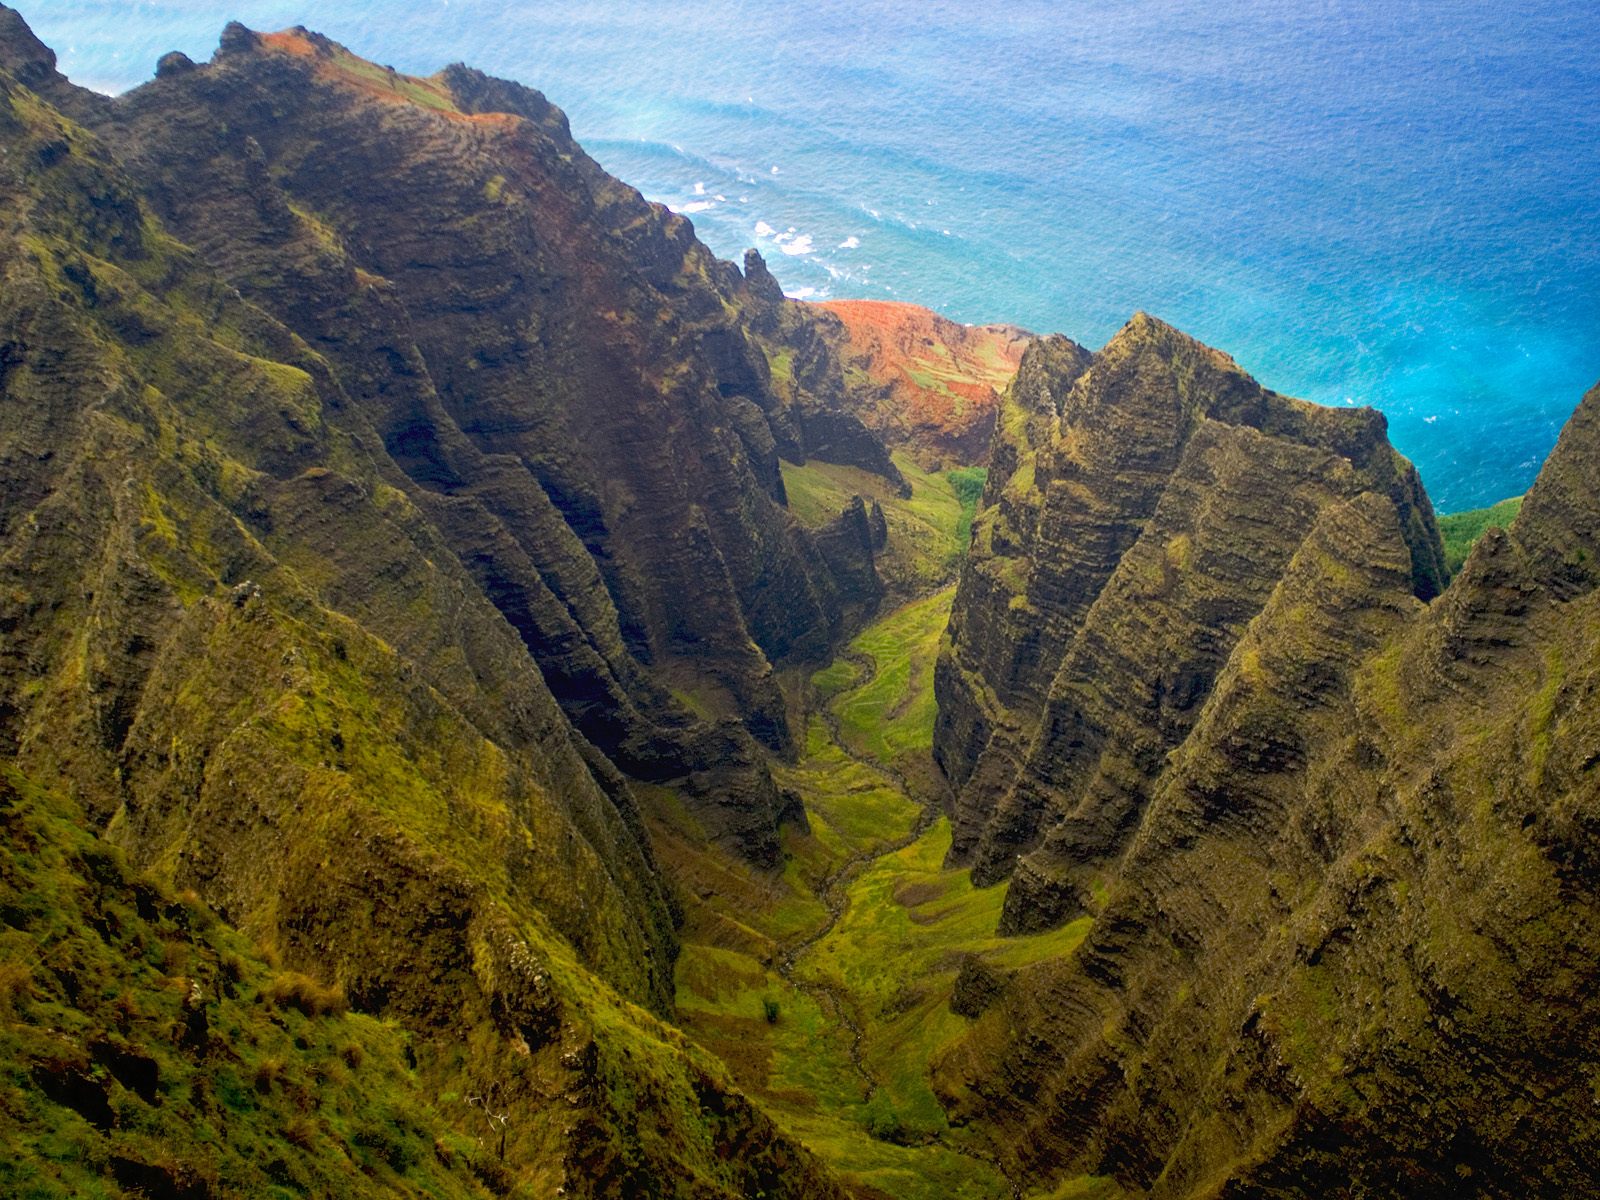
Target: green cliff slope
262 659
1339 874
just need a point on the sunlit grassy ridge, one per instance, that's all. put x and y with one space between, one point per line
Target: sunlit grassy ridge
888 964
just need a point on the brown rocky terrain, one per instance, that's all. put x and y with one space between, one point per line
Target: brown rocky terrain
932 385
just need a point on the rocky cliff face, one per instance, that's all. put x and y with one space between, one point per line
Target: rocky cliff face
573 384
337 585
1142 506
1336 843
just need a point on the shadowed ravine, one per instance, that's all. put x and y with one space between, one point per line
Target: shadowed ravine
859 943
833 889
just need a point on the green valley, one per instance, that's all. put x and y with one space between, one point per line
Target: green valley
857 947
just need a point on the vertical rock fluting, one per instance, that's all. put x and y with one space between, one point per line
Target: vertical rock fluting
1144 503
1348 941
572 381
245 645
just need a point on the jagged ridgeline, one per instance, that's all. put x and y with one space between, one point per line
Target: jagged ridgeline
401 527
385 489
1337 832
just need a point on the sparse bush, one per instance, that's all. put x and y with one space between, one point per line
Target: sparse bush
300 1131
290 989
882 1121
16 982
201 918
268 1073
174 958
353 1054
769 1008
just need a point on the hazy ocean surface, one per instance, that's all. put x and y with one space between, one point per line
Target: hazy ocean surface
1381 202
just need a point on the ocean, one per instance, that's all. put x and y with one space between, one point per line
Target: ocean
1391 203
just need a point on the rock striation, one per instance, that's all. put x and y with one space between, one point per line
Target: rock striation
1142 504
375 520
1335 833
574 386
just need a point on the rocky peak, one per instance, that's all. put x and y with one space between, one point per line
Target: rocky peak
761 283
33 64
1559 524
1146 504
237 39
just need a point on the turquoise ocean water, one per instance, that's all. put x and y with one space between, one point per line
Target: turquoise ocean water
1387 203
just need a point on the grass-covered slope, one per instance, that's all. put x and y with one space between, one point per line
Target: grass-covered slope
255 654
831 990
151 1050
927 530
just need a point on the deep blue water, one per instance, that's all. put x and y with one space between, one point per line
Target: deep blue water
1382 202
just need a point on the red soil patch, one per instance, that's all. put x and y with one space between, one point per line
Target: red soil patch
338 65
941 379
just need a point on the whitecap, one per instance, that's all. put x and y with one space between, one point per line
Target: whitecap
699 188
797 245
764 230
804 293
850 243
696 206
1429 420
774 170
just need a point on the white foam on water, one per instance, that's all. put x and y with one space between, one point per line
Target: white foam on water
850 243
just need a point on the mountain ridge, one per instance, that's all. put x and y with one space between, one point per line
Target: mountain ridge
402 592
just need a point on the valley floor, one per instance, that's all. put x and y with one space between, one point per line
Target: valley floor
827 989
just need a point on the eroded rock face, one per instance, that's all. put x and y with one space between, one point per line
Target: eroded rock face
572 382
933 385
1142 506
1343 895
286 632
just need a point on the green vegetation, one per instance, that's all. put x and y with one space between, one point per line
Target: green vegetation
967 483
1461 531
146 1043
928 532
887 963
896 952
892 713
